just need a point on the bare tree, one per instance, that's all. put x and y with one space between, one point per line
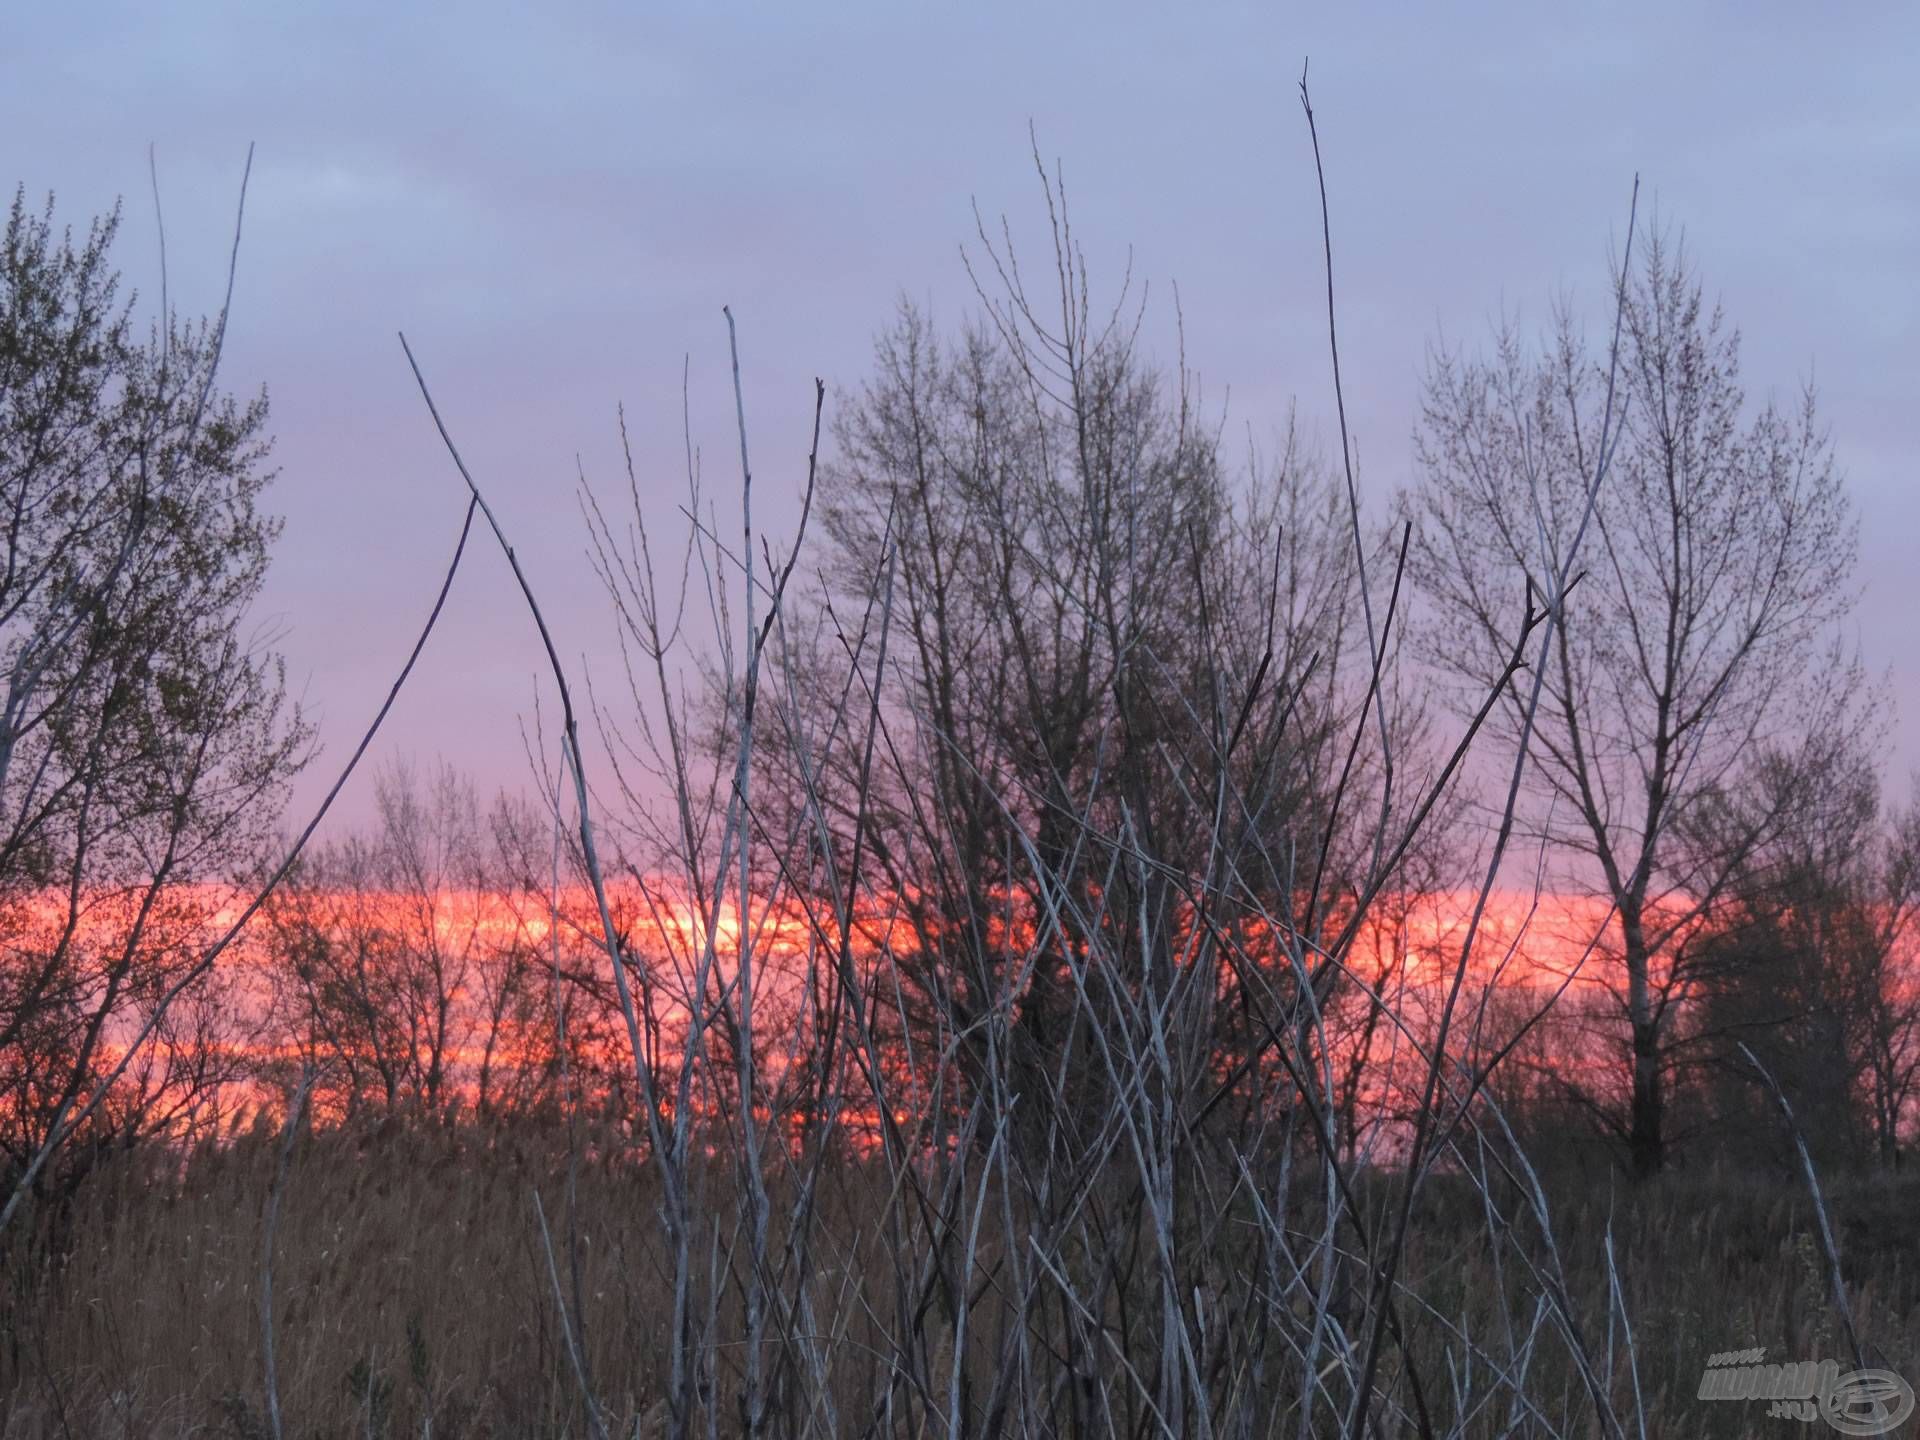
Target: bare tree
1048 779
1699 639
1096 622
1079 1081
412 959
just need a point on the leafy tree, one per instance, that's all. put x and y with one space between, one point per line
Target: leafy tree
146 740
1810 965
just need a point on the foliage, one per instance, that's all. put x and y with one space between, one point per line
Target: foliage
145 736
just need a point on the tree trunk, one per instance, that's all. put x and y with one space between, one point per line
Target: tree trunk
1646 1117
1646 1137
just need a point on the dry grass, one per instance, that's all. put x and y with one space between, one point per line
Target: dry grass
415 1298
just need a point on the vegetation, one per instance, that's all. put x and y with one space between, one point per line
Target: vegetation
1039 965
1697 702
145 739
415 1295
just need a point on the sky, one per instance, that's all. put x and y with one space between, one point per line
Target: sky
555 201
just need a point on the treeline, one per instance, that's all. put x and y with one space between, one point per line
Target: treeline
1037 937
425 969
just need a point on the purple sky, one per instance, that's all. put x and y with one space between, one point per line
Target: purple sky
554 202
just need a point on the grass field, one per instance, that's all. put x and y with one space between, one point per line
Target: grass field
413 1295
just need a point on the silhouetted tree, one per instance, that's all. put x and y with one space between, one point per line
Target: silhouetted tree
412 963
1102 641
1698 641
145 737
1809 963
